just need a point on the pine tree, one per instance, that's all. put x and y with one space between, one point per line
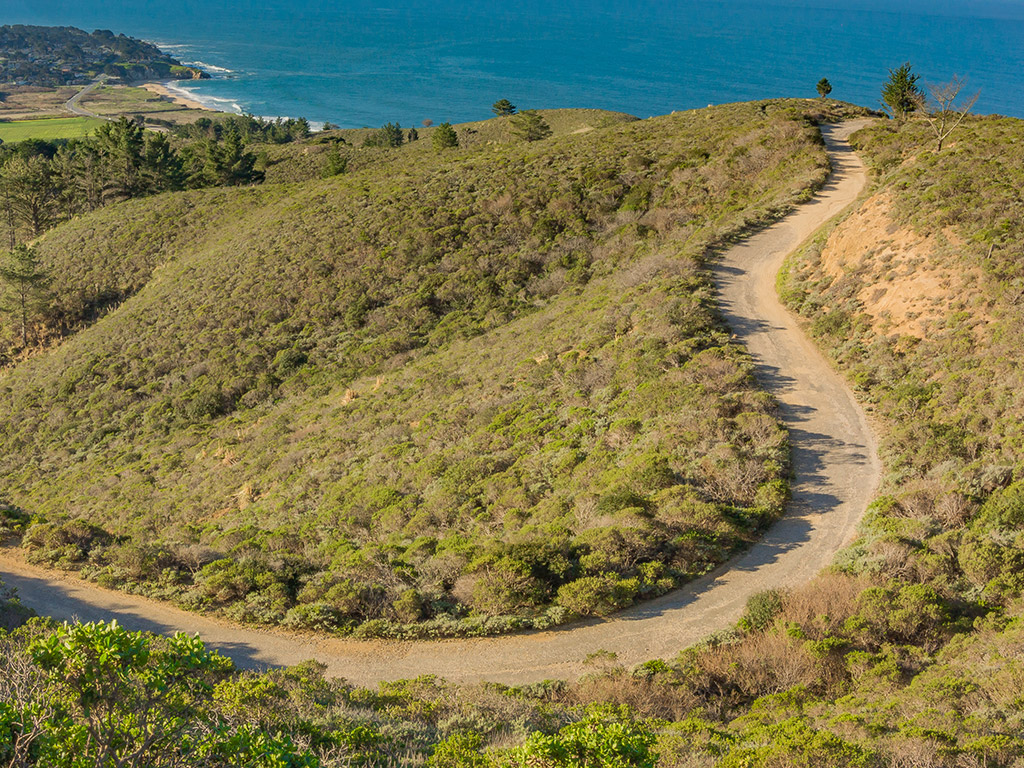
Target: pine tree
445 137
901 94
24 283
503 108
824 87
77 169
228 163
335 164
29 194
531 126
162 168
122 146
391 135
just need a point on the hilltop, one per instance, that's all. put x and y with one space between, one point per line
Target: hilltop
462 391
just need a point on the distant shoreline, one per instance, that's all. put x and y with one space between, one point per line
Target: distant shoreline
162 89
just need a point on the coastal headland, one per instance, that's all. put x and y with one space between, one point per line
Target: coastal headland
61 83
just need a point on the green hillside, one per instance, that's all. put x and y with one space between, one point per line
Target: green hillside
907 653
485 382
302 162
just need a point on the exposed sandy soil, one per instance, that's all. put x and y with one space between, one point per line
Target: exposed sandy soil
904 281
836 472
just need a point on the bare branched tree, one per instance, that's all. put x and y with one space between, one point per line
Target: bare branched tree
947 109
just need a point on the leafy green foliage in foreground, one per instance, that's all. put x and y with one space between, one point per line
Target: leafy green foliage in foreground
97 695
811 689
452 387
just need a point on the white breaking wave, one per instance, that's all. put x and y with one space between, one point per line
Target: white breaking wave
209 67
172 49
211 102
218 103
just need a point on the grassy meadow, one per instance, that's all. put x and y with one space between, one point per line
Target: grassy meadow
48 129
113 101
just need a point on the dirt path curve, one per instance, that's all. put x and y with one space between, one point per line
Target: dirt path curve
836 473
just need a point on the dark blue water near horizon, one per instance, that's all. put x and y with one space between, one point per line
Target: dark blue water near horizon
366 62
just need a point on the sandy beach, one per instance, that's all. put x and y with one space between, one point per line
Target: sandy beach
162 90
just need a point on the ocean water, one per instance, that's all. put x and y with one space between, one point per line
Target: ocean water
366 62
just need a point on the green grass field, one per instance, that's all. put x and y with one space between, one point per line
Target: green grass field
122 100
49 128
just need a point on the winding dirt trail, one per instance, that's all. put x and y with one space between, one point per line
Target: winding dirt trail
836 472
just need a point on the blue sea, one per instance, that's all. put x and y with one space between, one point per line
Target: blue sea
366 62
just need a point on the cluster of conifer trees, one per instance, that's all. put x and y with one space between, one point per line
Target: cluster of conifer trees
42 183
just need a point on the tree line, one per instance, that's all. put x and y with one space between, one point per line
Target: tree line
43 183
252 129
527 125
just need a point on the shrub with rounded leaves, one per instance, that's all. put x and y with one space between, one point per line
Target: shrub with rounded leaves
503 586
408 606
319 616
460 750
761 610
598 595
123 692
604 739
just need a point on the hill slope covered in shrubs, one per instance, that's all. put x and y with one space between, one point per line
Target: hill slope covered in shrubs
460 391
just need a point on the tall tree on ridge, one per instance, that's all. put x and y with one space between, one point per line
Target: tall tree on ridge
503 108
530 125
901 94
30 193
78 172
122 146
228 163
444 137
162 168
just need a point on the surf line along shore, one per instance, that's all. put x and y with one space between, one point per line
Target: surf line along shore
163 89
836 472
